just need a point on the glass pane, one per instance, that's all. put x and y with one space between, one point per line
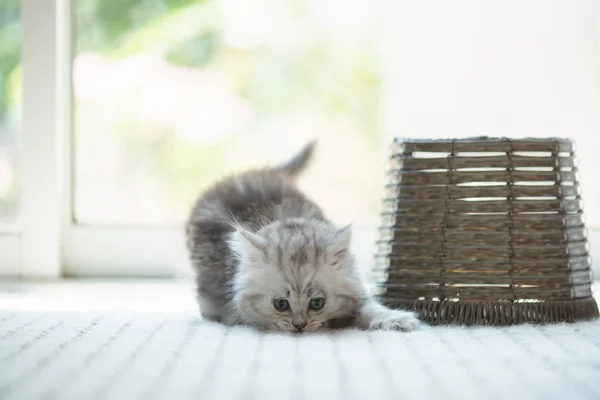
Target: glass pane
173 94
10 104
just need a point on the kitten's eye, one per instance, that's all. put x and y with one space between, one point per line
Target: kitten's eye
317 303
281 304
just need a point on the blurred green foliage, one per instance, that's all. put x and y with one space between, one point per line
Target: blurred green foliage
104 25
10 49
10 90
324 74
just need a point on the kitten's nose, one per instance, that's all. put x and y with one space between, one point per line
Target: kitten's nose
300 325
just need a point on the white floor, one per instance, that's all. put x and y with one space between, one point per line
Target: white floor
144 340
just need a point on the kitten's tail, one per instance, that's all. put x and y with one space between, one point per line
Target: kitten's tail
297 163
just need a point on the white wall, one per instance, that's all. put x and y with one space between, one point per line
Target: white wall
500 68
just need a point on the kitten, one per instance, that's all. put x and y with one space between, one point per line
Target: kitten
265 255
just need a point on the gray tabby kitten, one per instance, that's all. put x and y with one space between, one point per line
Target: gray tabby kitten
265 256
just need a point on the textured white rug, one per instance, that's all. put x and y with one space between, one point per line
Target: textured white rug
113 354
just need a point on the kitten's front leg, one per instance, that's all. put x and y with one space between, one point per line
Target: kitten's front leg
375 316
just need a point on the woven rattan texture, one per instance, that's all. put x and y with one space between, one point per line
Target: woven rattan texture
485 231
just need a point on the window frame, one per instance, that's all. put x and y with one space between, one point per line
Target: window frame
33 251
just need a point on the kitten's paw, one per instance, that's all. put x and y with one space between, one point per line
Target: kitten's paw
396 320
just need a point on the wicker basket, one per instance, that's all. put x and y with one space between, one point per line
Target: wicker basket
485 231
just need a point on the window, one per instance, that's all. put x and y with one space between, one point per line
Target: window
10 101
141 104
10 104
169 96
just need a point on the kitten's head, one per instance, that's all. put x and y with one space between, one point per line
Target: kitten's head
294 275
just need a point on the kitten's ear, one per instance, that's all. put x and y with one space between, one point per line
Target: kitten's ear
340 245
246 244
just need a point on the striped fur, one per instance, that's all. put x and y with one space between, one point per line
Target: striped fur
255 238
